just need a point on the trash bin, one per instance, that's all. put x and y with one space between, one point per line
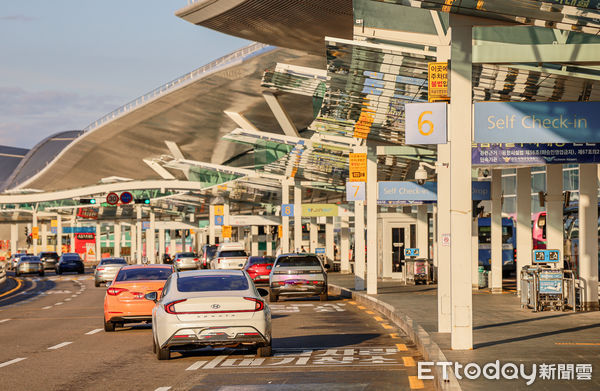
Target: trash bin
483 277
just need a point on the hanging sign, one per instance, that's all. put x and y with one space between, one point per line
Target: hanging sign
426 123
437 77
358 167
355 191
219 210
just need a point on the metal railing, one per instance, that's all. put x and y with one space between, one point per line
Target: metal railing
211 67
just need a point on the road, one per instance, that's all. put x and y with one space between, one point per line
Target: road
52 339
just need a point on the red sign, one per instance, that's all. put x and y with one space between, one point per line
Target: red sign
88 213
112 199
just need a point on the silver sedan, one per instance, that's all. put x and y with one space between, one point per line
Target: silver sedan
107 269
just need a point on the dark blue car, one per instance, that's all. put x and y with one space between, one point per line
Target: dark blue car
70 262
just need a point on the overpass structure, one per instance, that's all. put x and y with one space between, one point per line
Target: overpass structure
281 117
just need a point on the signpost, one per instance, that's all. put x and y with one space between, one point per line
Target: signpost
319 210
426 123
406 191
35 233
126 197
112 199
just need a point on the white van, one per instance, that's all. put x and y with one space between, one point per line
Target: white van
229 256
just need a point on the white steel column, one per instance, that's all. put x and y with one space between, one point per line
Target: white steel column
588 234
524 234
211 227
161 244
372 250
254 235
117 239
269 241
72 235
329 240
225 221
59 234
496 233
554 209
98 245
422 231
345 245
35 224
133 238
285 220
173 242
138 234
297 216
359 246
14 238
44 233
314 234
151 239
460 128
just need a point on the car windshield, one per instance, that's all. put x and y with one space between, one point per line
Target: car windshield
151 273
307 260
28 259
112 261
212 283
233 253
210 251
260 260
186 255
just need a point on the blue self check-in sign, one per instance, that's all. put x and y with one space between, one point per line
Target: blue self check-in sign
411 252
543 256
537 122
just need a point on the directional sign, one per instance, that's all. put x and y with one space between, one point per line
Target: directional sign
218 220
35 232
126 197
219 210
541 256
279 231
226 231
438 81
320 250
426 123
287 210
411 252
112 199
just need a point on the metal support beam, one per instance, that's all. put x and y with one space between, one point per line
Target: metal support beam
282 117
345 246
543 53
495 280
297 217
285 220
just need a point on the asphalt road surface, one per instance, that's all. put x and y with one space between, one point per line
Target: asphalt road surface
52 339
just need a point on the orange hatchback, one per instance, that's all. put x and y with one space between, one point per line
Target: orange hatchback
124 300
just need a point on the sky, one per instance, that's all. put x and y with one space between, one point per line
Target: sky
66 63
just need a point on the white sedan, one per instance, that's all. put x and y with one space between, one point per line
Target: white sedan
210 308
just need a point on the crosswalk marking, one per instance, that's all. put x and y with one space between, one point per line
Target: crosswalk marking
216 361
93 331
196 365
415 383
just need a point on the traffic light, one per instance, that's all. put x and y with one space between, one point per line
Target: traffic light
142 201
26 231
87 201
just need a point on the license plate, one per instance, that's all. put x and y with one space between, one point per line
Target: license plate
263 277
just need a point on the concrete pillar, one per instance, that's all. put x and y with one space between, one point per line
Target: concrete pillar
35 224
183 240
554 209
297 217
285 220
151 239
226 219
475 255
434 219
524 232
117 239
59 232
359 246
460 127
173 242
496 233
314 234
14 238
588 234
134 248
345 245
138 235
72 235
269 242
422 231
161 244
329 239
211 227
98 245
44 234
372 250
254 246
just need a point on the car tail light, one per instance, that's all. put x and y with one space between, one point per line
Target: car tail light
115 291
196 260
316 282
218 260
259 305
169 306
100 268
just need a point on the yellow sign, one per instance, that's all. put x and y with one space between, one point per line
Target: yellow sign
362 127
35 231
219 210
54 223
438 81
358 167
279 231
226 230
319 210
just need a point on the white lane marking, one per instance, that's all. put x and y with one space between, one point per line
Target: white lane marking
12 361
47 307
163 389
4 320
93 331
60 345
68 299
61 303
75 295
196 365
215 362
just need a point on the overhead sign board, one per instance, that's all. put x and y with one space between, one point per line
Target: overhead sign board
218 220
356 191
437 77
219 210
407 191
358 167
537 122
317 210
241 220
528 153
481 191
426 123
74 230
287 210
126 197
411 252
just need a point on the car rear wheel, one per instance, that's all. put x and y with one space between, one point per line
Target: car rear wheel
109 326
163 354
264 351
153 345
323 296
273 298
58 271
96 284
41 274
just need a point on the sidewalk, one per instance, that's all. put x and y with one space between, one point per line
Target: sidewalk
505 332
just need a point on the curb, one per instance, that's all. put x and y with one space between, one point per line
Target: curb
427 347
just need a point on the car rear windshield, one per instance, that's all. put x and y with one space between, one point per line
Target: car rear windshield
49 255
260 260
298 261
232 253
144 274
210 251
212 283
186 255
112 261
26 259
71 258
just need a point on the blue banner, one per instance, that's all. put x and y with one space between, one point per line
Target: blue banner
407 191
481 191
531 154
537 122
75 230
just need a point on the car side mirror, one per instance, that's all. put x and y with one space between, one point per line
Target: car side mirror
262 292
153 296
108 283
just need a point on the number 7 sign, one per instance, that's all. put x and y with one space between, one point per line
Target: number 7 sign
355 191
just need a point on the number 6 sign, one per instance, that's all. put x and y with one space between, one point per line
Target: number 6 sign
425 123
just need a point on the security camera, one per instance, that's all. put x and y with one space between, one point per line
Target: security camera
421 175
